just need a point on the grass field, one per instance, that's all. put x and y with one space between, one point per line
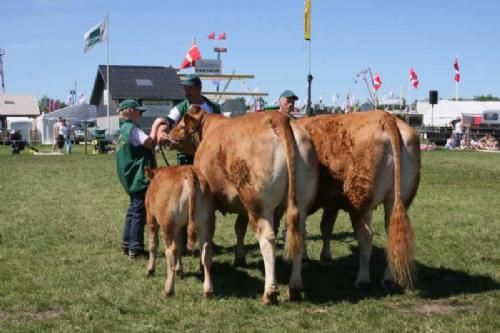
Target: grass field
61 268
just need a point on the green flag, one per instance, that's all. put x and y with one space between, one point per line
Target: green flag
96 35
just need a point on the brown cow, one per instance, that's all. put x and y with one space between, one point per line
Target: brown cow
366 159
176 197
254 164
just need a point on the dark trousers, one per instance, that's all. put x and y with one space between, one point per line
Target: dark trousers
458 138
133 230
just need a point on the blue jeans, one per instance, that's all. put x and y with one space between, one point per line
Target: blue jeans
133 231
458 138
67 145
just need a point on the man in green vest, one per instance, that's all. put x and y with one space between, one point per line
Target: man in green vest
192 90
287 102
191 84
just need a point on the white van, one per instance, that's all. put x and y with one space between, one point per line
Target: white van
490 117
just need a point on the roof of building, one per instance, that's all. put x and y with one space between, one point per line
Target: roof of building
138 82
18 106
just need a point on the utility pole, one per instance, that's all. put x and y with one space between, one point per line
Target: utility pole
2 53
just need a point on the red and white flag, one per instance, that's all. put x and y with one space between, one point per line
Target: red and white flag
413 78
191 57
211 36
222 36
457 70
377 82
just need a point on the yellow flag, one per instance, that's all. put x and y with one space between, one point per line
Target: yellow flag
307 20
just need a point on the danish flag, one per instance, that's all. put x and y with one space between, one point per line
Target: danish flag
222 36
457 70
211 36
191 57
413 78
377 82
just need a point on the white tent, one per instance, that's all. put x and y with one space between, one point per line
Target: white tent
72 114
446 111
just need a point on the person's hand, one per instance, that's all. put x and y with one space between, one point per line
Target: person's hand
163 137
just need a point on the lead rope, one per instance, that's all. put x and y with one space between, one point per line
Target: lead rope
163 154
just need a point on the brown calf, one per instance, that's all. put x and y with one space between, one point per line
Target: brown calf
176 197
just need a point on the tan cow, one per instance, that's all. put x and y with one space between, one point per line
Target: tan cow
254 165
176 197
368 158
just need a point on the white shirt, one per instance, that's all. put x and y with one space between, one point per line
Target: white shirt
137 137
63 130
175 115
458 127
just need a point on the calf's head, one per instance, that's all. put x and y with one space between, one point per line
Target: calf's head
186 135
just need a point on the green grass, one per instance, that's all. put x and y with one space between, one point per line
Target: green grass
61 268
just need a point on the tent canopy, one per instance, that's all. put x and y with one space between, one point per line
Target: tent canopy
446 111
73 114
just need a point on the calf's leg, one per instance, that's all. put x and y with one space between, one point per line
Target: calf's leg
152 228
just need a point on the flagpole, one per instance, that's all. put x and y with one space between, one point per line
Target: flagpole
107 73
309 81
409 92
307 36
456 91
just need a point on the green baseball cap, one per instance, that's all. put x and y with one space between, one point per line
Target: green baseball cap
289 94
131 104
191 80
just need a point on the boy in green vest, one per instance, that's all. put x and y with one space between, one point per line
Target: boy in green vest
134 151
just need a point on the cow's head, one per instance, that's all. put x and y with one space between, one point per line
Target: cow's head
186 135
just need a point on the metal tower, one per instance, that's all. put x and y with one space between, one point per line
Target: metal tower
2 53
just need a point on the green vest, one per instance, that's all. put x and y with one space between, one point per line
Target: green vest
130 160
183 107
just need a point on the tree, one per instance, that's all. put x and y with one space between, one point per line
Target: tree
484 98
43 104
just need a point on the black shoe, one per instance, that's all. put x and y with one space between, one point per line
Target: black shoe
137 254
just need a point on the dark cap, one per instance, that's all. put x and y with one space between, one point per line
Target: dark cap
191 80
289 94
130 104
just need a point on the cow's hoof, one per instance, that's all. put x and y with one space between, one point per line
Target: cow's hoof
363 286
150 273
294 295
208 294
270 298
306 263
391 286
168 294
326 262
240 262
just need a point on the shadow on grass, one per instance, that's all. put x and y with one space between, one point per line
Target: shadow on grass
335 283
230 281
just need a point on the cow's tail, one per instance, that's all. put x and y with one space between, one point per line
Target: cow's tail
294 237
400 239
191 227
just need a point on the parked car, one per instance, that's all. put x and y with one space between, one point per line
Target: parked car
78 131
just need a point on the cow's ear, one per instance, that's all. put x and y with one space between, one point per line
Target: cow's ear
193 117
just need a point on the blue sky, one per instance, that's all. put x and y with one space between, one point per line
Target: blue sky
43 40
